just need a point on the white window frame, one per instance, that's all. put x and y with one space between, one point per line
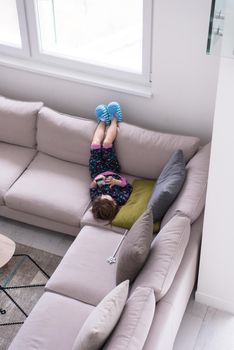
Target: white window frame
23 51
29 29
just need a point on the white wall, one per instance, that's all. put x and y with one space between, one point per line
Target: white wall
184 77
216 282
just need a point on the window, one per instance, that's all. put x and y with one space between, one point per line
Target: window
9 24
98 32
13 36
107 37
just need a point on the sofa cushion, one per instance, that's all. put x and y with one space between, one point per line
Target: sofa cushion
136 204
88 219
191 199
53 189
102 319
168 185
64 136
53 324
166 253
39 221
13 161
134 324
170 309
135 248
18 121
144 153
84 272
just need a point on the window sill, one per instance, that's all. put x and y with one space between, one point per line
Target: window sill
78 77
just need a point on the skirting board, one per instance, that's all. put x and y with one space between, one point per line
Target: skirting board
215 302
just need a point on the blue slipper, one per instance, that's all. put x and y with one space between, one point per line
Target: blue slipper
102 114
114 110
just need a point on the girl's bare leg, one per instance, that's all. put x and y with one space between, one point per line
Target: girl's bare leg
99 134
111 132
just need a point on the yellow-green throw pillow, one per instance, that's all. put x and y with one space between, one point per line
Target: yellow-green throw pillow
136 205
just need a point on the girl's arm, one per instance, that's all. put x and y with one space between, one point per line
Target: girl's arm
93 184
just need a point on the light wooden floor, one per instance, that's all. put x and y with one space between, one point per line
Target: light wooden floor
202 328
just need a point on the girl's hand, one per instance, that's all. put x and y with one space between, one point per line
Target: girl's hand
99 177
112 182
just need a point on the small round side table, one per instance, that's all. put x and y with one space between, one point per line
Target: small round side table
7 249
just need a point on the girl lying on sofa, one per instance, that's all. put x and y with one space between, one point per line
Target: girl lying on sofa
108 190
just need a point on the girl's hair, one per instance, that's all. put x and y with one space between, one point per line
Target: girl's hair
104 208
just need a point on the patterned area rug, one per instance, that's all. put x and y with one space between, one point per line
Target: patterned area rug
22 281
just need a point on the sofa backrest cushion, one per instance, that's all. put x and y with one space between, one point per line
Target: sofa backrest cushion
18 121
64 136
144 153
134 325
191 199
102 319
165 256
135 248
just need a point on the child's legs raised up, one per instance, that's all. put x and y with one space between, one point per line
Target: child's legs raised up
95 160
111 133
108 153
99 135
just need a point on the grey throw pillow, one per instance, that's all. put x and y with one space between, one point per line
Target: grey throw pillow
135 248
168 185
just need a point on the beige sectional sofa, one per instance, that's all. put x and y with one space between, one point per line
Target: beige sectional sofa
45 181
